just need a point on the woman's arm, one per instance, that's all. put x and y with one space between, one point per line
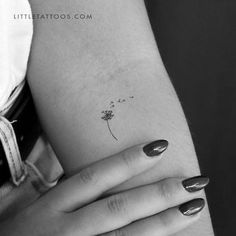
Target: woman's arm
82 72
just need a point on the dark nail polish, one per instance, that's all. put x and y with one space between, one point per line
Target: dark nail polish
196 183
155 148
193 207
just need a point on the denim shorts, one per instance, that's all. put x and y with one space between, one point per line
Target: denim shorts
43 172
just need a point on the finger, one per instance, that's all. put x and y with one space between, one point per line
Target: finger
124 208
98 178
166 223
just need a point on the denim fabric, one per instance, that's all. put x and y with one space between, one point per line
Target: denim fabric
43 172
12 152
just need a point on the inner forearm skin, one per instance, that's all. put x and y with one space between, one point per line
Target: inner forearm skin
73 120
82 75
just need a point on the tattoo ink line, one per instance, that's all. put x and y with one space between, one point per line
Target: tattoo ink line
108 114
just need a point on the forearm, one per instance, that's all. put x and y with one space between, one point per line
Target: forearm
95 71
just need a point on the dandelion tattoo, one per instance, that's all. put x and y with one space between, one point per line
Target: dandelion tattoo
107 115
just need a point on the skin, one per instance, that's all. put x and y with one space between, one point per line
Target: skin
71 209
77 69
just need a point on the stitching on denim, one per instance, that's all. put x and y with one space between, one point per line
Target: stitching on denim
15 165
15 144
9 150
40 175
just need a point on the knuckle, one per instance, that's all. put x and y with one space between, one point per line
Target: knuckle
129 157
87 175
120 232
164 222
167 189
117 204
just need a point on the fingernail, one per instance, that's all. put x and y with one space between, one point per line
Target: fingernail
155 148
196 183
193 207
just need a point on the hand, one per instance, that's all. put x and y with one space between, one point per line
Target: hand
80 206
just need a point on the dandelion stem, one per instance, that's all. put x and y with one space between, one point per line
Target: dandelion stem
108 125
